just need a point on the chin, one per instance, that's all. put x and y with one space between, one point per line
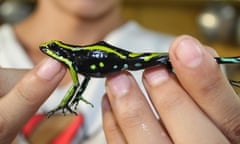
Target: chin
85 5
88 9
93 12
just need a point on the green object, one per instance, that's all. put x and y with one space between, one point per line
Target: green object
100 60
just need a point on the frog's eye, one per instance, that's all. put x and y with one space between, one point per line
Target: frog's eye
52 45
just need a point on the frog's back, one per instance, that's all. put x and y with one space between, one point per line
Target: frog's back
99 63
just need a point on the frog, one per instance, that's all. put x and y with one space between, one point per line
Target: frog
101 60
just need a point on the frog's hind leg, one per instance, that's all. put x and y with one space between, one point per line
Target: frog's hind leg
80 91
64 104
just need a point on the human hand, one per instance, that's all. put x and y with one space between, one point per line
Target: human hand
18 105
195 105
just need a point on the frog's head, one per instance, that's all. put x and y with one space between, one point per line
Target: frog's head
55 49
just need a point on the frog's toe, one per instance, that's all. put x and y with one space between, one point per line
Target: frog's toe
52 112
70 110
76 101
63 108
74 104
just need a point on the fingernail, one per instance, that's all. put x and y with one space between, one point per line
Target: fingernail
48 69
119 85
189 52
156 76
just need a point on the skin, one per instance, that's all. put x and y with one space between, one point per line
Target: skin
9 77
26 99
193 106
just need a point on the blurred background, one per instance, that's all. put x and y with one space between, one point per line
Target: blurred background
214 22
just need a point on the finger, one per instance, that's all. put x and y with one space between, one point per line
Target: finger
202 78
8 78
184 121
133 114
27 96
112 131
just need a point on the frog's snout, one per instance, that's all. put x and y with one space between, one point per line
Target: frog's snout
43 49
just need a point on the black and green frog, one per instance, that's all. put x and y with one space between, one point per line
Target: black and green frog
100 60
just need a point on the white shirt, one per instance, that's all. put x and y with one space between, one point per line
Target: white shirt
130 36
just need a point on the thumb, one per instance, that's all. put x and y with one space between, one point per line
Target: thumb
9 77
27 96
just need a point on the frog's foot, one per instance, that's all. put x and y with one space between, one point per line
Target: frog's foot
75 102
63 108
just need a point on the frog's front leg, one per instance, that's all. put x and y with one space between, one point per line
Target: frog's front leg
64 104
80 91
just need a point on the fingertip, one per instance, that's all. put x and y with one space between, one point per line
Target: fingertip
155 76
178 40
119 85
187 51
38 83
212 51
48 69
30 92
27 95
